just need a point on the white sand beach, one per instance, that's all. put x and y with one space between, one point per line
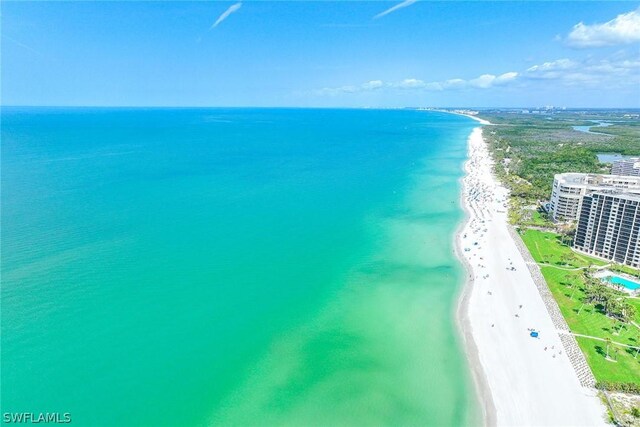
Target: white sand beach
522 381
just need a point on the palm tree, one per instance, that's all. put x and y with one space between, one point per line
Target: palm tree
580 309
567 232
589 292
612 306
623 312
629 312
589 296
573 291
597 293
589 281
572 280
565 258
604 297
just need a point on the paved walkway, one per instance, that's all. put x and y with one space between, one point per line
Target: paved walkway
601 339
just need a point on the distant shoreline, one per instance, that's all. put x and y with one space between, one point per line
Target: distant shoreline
466 114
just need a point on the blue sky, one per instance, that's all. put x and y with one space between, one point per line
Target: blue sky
343 54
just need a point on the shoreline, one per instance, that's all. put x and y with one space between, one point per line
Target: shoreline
514 375
483 393
471 116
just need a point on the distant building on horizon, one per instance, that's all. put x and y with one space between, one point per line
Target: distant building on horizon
569 190
609 227
626 167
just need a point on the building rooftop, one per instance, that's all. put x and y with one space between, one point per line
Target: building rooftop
593 179
626 196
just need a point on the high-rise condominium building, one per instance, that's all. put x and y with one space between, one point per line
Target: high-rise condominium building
570 188
609 227
628 167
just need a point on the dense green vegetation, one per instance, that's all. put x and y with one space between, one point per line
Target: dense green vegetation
534 218
590 308
530 149
629 130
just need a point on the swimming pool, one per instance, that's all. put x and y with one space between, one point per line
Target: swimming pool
617 280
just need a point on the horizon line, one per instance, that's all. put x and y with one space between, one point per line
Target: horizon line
564 108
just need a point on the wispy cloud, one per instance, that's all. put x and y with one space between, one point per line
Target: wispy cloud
487 81
618 70
558 64
399 6
623 29
484 81
225 14
345 25
22 45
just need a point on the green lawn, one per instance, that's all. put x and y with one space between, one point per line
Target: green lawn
636 303
567 287
626 367
547 248
582 318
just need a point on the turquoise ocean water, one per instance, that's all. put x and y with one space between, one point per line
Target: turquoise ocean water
233 266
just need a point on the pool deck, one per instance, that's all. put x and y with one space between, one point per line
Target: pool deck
608 273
